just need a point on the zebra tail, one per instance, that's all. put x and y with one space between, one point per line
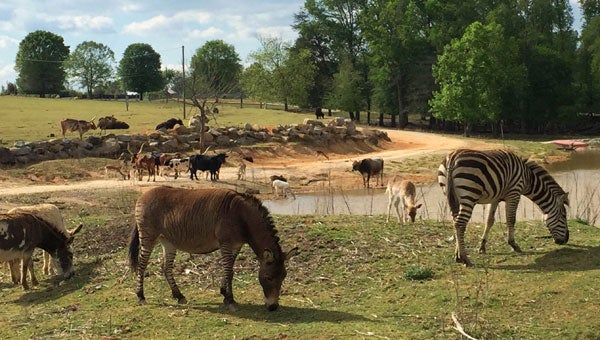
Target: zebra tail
451 192
134 248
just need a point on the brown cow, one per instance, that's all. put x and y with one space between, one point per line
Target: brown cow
80 126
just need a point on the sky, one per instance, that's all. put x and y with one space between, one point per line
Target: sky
165 25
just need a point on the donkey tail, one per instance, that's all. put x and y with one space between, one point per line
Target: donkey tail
134 248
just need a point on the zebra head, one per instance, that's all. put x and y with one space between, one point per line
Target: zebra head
556 219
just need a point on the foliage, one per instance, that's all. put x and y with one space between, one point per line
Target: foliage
345 93
91 65
215 70
473 73
418 273
39 63
139 69
277 75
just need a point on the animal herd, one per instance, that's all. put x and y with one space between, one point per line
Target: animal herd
201 221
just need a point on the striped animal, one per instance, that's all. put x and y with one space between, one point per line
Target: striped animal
202 221
469 177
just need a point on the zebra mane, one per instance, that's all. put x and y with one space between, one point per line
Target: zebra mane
543 174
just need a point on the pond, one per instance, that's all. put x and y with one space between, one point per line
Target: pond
580 176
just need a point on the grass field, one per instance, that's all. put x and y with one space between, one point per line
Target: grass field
31 119
350 280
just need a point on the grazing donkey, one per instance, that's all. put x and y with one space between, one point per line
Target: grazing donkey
202 221
21 233
51 214
402 191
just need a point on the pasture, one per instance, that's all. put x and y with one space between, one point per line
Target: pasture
351 279
30 119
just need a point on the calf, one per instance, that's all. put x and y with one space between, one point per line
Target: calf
80 126
282 186
369 167
207 163
402 191
242 172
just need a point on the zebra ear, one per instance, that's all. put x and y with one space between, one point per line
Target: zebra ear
566 198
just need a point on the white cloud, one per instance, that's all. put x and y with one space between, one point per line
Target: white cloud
8 42
163 22
8 72
85 23
209 33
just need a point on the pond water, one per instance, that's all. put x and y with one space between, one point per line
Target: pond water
580 176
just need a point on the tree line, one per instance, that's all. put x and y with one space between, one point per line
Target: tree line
503 64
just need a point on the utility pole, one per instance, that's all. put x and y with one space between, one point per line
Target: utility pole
183 69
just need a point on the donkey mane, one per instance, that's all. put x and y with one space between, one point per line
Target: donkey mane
54 229
266 215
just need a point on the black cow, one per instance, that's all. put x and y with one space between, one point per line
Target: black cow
111 123
319 113
206 163
169 124
369 167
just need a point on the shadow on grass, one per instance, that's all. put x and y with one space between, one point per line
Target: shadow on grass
285 314
568 258
52 288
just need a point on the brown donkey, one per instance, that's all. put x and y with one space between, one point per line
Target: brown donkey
200 221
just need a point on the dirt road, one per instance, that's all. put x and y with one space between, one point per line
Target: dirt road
298 165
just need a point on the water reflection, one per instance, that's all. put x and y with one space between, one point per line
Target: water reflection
579 176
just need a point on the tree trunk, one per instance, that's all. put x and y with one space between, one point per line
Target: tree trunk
351 114
381 123
402 112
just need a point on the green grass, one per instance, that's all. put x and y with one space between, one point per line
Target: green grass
31 119
347 282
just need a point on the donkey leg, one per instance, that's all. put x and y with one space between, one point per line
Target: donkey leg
24 268
169 252
34 280
227 259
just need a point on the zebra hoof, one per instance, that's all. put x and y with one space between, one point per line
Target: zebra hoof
141 301
182 301
482 250
232 307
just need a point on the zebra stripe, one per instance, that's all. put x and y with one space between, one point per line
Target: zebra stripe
470 177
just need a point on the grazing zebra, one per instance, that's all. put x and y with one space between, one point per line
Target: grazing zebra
469 177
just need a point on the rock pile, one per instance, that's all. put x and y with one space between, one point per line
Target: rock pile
182 139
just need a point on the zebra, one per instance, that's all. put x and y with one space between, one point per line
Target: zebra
469 177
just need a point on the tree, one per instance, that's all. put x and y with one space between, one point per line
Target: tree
91 64
346 89
473 73
279 75
140 69
39 63
216 66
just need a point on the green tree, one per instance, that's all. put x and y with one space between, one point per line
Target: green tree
279 75
91 64
216 69
588 71
473 73
140 69
345 94
40 63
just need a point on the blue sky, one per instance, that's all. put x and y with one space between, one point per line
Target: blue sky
165 25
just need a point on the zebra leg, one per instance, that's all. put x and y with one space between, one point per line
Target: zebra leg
511 216
227 259
169 252
460 225
489 222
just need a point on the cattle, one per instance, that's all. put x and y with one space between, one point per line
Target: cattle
111 123
277 177
80 126
242 171
319 113
369 167
169 124
207 163
143 162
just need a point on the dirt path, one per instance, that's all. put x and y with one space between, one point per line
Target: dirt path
301 166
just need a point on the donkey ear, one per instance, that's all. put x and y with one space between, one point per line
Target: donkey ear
268 256
76 230
291 253
419 205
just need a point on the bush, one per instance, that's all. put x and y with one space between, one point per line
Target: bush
418 273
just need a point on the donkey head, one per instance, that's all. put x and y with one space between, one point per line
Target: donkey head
271 275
